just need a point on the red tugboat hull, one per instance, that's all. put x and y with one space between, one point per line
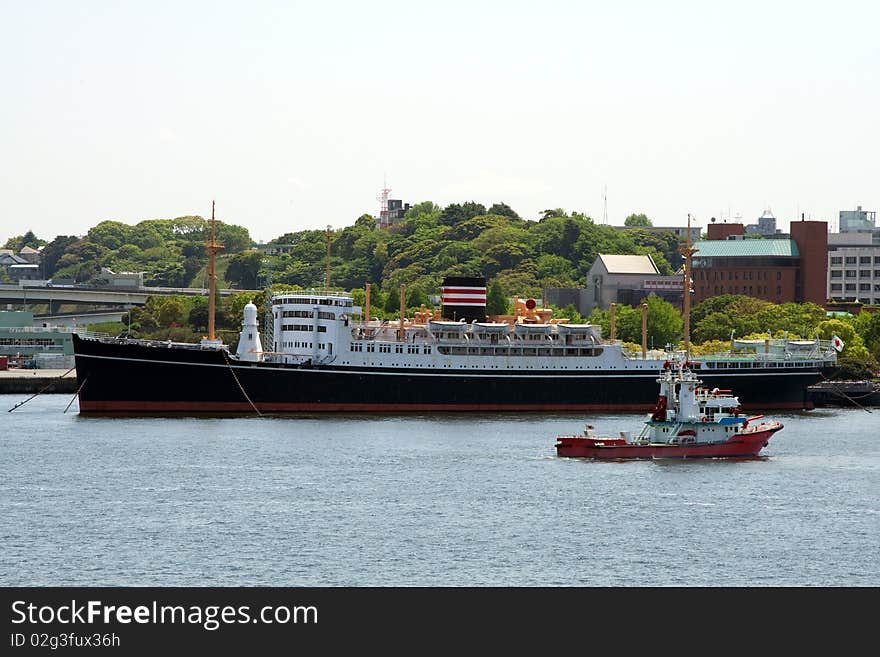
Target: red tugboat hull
744 445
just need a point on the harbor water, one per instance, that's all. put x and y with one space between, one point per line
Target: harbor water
425 500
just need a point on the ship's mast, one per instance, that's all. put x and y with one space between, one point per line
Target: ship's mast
687 251
327 263
212 248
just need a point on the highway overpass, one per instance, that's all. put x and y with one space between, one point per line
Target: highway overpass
96 296
79 320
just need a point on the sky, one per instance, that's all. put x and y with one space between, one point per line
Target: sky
291 115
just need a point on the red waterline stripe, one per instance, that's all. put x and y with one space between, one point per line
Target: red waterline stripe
92 406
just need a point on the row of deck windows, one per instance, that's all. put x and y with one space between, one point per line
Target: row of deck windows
345 303
385 348
742 365
303 327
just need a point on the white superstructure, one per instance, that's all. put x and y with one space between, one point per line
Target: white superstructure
325 328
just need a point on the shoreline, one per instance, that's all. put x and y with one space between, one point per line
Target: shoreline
21 381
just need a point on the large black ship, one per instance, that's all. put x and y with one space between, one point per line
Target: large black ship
322 359
323 354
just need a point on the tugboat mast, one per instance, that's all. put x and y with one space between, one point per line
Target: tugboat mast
212 247
687 251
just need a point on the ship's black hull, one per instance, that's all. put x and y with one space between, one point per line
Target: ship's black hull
117 377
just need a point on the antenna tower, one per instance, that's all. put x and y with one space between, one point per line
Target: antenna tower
383 204
605 210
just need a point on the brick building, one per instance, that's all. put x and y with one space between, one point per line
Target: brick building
778 270
724 230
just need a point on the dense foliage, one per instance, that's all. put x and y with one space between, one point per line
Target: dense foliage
170 252
463 239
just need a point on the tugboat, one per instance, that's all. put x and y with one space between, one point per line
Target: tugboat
688 421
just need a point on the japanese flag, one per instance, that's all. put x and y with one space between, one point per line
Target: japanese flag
837 343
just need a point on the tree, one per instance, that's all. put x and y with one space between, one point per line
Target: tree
856 368
110 234
425 208
503 210
503 256
392 302
843 330
554 212
53 251
365 221
568 312
714 326
475 226
454 213
554 266
21 241
233 238
867 325
244 269
198 315
170 313
664 321
147 234
415 297
31 240
496 302
637 220
651 241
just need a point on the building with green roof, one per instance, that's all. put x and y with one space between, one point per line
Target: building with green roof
778 270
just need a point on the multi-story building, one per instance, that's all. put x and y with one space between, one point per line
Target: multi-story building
857 221
393 214
853 267
766 226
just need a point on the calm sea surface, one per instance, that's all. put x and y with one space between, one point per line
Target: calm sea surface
424 500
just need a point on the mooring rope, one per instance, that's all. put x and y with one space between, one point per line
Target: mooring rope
844 395
76 394
240 387
44 389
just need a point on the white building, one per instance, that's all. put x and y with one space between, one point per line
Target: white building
628 279
853 267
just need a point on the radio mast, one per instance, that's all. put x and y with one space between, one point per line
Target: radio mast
605 210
